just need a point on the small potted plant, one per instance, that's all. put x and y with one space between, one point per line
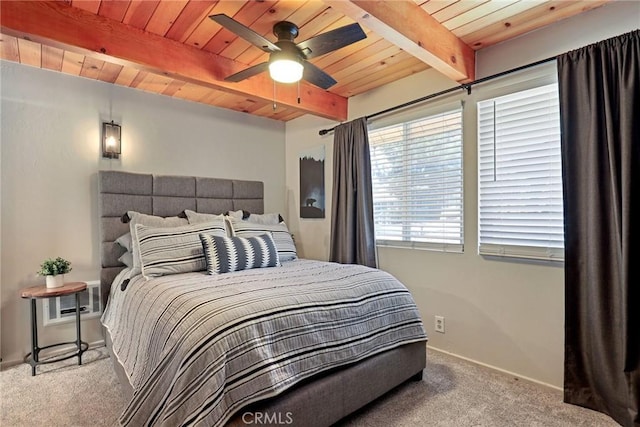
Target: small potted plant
54 271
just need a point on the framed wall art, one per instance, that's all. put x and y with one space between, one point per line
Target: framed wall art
312 197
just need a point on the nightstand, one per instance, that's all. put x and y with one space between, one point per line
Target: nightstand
37 292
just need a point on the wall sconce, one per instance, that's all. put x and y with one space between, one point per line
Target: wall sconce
111 142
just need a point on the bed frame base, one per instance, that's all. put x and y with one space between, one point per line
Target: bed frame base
330 397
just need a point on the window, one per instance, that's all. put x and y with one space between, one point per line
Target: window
520 176
416 168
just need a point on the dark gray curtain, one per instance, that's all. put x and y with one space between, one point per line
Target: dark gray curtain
352 234
600 121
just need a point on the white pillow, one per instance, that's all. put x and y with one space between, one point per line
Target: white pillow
198 218
236 214
269 219
154 220
136 218
284 242
125 241
127 259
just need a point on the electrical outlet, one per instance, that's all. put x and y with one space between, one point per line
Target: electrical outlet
440 324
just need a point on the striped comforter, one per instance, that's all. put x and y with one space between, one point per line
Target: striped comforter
197 348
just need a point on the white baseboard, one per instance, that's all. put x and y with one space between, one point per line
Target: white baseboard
495 368
6 364
100 343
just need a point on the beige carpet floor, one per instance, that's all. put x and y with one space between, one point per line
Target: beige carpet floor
453 393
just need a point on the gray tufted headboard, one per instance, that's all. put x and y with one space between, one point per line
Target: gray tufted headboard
162 195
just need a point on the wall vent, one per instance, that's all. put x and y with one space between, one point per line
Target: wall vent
63 309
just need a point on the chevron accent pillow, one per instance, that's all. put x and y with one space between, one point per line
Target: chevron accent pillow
226 254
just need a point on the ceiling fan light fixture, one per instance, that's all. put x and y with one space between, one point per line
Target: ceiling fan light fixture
288 60
285 70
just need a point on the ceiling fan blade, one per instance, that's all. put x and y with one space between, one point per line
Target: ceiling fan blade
331 40
245 32
316 76
249 72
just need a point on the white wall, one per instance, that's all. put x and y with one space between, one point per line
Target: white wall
50 158
505 314
311 235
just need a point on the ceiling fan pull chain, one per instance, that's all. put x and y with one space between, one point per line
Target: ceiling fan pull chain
274 96
298 91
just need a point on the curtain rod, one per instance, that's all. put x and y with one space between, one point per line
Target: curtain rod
465 86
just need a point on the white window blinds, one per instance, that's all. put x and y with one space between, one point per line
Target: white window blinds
520 176
417 182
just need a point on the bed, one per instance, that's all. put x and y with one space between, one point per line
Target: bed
296 380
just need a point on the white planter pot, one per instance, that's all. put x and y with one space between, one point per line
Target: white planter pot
55 281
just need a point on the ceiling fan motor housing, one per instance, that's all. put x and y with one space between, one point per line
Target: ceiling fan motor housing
285 30
288 50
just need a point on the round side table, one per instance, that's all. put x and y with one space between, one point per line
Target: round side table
37 292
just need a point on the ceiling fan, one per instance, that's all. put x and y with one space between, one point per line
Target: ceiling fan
288 60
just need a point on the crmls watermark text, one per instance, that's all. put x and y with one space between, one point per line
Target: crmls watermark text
262 418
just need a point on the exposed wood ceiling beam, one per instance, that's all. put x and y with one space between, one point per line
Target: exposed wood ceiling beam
57 24
408 26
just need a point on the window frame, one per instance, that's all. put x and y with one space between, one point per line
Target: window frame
544 76
404 119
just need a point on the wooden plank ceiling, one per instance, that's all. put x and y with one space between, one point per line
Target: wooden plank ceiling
171 47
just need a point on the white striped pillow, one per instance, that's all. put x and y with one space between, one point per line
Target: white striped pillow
284 242
136 218
226 254
174 250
